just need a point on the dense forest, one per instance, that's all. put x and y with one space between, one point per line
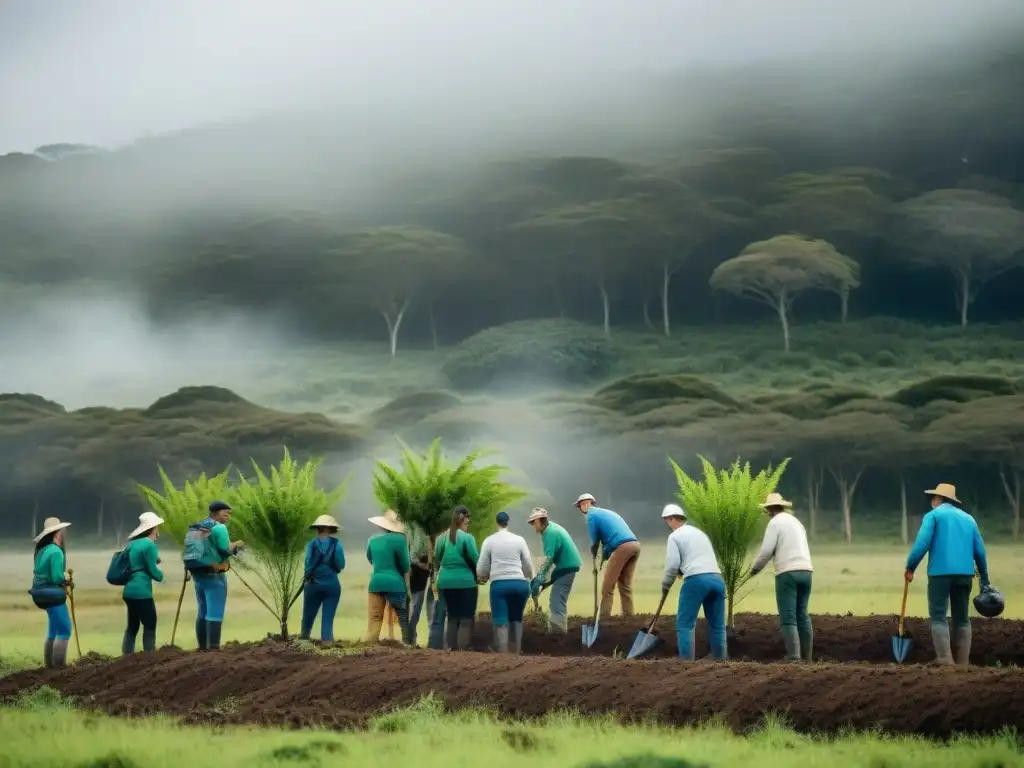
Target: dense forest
781 195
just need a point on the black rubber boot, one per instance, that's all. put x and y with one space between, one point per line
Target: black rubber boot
48 653
148 640
127 644
201 642
452 635
213 635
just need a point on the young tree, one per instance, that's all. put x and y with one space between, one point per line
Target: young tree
975 236
776 271
726 506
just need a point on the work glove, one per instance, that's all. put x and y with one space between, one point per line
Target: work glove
534 588
593 550
754 572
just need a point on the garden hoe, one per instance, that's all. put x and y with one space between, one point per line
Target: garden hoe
647 641
590 631
900 643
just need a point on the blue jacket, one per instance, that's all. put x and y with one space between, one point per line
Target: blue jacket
316 552
952 541
608 528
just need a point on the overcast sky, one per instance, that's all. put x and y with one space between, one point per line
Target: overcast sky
109 71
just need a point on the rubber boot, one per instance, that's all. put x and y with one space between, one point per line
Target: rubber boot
465 634
127 644
791 641
201 641
501 635
806 643
60 653
940 639
515 637
452 635
48 653
148 640
963 645
213 635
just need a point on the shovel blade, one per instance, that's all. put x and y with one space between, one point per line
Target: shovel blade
900 648
645 643
589 635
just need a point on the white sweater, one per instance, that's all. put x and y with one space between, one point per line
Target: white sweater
785 541
504 555
689 552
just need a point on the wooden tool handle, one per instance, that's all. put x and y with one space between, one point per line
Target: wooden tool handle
903 608
657 613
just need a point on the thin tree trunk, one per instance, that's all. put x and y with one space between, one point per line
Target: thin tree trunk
1012 489
666 279
120 528
99 521
394 323
782 307
433 324
814 480
844 298
847 488
904 524
647 313
606 306
35 516
963 295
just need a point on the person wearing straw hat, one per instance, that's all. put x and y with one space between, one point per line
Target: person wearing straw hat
689 554
785 543
143 558
388 553
50 580
621 552
952 540
505 561
562 559
321 593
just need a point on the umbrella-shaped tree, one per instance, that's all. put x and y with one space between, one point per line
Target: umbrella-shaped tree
726 506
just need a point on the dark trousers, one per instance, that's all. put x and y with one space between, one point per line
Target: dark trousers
952 593
461 603
140 613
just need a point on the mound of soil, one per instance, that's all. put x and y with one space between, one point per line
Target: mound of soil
836 638
274 684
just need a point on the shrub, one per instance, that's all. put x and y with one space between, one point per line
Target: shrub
557 351
850 360
886 359
644 392
410 409
958 389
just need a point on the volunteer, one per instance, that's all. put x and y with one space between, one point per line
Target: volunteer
325 560
419 583
207 551
456 555
505 561
785 543
388 553
50 581
689 553
951 539
621 553
562 559
143 559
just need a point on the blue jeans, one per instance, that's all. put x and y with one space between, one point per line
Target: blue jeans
58 622
437 624
314 596
707 590
508 600
559 604
211 596
418 599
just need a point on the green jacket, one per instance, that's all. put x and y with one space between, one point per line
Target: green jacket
142 555
454 572
560 553
388 553
49 567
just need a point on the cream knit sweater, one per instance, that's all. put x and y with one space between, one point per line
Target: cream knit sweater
785 541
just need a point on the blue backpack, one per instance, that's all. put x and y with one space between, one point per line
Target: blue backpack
120 570
199 551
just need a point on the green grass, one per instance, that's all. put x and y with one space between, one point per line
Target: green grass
859 579
41 730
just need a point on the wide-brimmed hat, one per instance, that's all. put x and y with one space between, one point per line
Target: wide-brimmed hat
673 510
539 513
147 522
585 497
326 521
388 521
776 500
51 525
945 490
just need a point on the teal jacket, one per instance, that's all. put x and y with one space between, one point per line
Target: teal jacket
388 553
142 556
951 539
49 567
560 553
457 562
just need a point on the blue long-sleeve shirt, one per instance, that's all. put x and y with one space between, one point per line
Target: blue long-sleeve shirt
951 539
607 528
316 552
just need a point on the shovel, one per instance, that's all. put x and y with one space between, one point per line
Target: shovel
590 631
901 644
647 641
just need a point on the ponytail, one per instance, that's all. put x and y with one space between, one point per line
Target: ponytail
459 514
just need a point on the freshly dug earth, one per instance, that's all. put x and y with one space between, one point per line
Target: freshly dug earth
280 685
836 638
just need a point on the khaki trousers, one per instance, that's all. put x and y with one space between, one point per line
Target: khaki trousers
619 570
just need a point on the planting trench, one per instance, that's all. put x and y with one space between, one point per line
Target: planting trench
274 684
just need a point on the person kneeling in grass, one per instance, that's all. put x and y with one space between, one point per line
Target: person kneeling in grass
144 558
325 560
505 560
785 542
388 553
689 553
562 558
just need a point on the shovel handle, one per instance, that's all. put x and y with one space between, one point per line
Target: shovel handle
903 607
657 613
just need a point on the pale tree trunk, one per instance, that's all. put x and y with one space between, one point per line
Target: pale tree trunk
394 320
666 279
904 524
782 307
815 477
847 488
963 294
120 528
647 313
433 325
606 306
99 521
1012 489
844 298
35 516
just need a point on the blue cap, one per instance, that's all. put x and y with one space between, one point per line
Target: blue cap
219 506
501 518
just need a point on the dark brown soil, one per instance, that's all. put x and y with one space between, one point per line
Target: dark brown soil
275 684
836 638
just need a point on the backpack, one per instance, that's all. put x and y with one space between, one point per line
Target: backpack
198 551
120 571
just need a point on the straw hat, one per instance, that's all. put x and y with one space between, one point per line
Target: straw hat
388 521
539 513
585 497
673 510
147 522
776 500
945 490
51 525
326 521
